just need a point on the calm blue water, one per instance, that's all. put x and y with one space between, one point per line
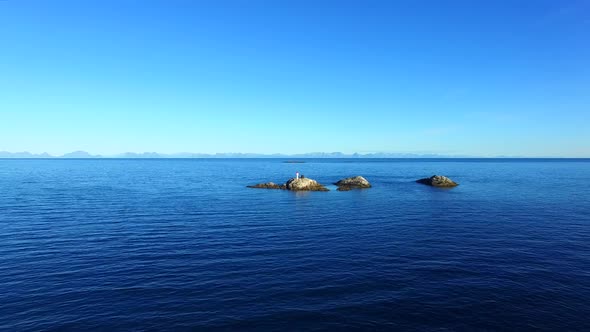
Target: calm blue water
184 245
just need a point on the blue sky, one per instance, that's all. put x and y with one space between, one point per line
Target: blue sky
451 77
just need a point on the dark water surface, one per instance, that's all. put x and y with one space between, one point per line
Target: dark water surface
184 245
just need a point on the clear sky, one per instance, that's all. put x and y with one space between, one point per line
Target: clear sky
451 77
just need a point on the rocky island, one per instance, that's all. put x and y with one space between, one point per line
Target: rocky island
300 184
438 181
294 184
355 182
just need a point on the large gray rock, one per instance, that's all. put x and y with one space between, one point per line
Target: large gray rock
355 182
304 184
438 181
268 185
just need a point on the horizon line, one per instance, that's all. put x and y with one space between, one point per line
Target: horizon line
245 155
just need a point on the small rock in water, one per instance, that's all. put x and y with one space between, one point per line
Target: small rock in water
438 181
356 182
268 185
304 184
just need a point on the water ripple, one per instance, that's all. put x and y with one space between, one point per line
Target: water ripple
183 245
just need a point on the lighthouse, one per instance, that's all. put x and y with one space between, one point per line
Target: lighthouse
297 175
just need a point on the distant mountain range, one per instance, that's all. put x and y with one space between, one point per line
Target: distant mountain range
26 154
84 154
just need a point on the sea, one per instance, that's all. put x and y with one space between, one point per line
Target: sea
184 245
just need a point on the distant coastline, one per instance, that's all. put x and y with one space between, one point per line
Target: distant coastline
290 157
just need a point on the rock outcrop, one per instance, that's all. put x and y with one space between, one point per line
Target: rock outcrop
304 184
438 181
268 185
294 184
356 182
